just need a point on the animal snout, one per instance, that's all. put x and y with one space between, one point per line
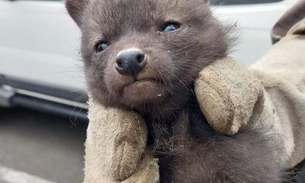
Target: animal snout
130 61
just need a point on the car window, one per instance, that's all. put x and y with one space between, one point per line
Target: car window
241 2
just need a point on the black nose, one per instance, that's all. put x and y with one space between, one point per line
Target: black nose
130 62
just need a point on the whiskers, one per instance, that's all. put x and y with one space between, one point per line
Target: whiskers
79 113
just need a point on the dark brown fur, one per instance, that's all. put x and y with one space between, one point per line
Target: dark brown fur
189 151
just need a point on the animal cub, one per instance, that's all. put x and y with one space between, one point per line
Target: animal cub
144 55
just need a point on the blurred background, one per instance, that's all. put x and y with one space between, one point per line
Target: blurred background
42 89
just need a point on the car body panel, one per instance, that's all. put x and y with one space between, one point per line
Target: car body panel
40 42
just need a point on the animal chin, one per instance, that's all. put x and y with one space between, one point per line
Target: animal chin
142 92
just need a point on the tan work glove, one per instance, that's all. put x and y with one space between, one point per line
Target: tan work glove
115 148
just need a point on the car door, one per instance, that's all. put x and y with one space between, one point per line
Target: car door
254 20
39 43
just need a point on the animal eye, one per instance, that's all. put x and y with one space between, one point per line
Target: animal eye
101 46
170 26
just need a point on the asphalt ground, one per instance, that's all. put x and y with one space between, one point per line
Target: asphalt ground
40 148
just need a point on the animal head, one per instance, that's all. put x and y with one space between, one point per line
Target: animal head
145 55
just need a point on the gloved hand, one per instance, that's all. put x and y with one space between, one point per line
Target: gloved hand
116 141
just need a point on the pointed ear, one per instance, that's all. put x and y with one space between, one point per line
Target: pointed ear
76 9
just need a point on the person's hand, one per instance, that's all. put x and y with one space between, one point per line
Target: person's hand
227 93
116 147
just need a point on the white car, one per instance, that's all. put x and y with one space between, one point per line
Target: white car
40 64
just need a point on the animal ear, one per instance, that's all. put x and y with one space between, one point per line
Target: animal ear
76 9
